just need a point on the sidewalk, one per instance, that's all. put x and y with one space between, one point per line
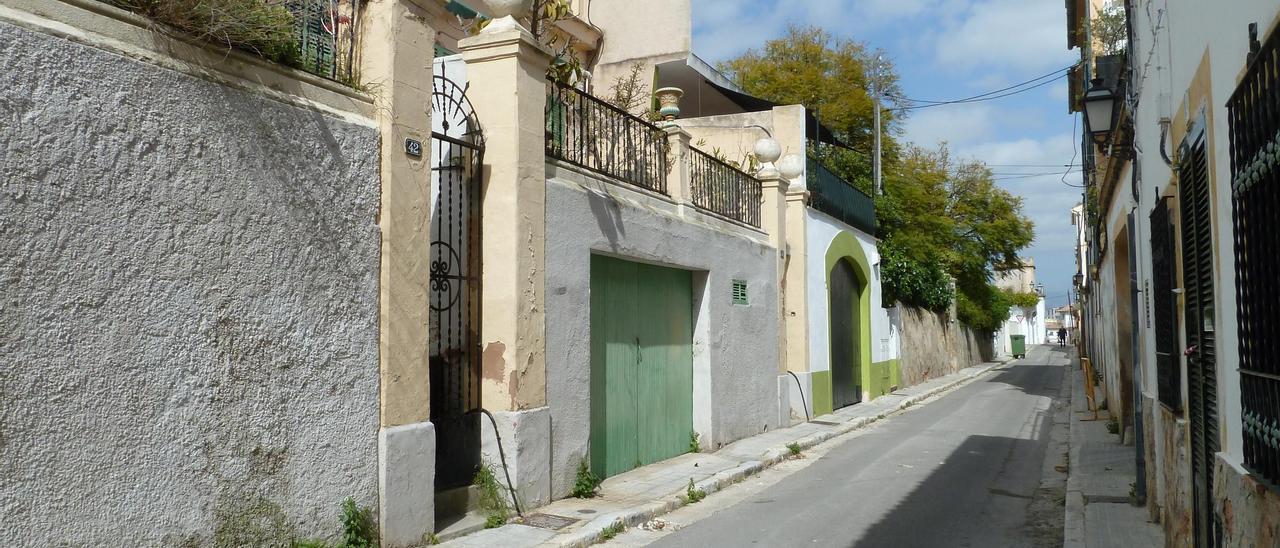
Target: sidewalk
638 496
1099 480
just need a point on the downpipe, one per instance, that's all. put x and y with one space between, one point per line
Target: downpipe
502 455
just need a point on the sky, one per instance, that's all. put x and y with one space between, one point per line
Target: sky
950 49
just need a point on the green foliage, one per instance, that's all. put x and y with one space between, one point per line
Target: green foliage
613 530
941 218
492 501
586 484
693 443
834 78
358 527
794 449
1109 29
693 495
264 27
1022 299
923 284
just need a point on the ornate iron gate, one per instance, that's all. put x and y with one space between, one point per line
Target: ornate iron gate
457 148
1200 322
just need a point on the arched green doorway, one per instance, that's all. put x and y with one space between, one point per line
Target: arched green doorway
849 320
846 368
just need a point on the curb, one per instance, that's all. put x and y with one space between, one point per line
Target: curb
593 532
1073 534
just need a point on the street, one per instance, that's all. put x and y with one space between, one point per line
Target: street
974 468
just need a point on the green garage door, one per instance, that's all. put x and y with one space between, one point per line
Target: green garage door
641 364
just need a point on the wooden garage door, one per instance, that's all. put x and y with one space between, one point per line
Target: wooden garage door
641 364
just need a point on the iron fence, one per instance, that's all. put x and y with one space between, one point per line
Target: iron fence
723 189
1254 115
834 196
592 134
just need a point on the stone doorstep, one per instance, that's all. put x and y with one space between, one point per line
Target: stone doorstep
621 502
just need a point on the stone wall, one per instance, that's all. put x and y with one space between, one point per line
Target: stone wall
188 305
933 346
1248 510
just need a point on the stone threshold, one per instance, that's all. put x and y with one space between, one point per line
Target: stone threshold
636 497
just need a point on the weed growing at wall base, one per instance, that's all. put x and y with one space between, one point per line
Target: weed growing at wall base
493 502
587 483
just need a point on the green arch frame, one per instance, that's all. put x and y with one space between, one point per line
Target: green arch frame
845 247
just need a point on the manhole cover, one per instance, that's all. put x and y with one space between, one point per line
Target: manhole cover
827 423
548 521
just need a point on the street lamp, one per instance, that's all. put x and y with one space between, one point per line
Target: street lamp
1099 110
1078 279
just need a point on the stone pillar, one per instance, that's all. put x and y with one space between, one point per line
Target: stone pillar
795 292
396 55
679 141
507 72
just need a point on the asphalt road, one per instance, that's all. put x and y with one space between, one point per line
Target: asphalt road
974 468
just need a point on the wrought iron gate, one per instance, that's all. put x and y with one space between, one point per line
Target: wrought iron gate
1198 285
457 148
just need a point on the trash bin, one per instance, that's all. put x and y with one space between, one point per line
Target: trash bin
1018 343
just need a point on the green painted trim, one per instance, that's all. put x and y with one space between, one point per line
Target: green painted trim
845 246
886 375
821 383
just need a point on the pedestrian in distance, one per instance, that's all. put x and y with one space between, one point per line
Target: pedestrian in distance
1062 336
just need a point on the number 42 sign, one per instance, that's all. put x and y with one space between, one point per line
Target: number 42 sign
413 147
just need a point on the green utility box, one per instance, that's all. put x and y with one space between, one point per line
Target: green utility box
1019 345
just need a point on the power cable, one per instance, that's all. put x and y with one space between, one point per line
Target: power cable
989 93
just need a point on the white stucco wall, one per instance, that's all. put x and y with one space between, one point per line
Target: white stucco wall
735 350
820 230
188 305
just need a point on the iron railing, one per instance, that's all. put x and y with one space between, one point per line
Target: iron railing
1254 117
592 134
723 189
324 33
838 198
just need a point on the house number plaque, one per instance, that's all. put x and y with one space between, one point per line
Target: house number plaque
413 147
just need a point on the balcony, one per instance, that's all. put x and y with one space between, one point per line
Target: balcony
838 198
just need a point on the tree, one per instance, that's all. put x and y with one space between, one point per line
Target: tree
833 79
937 211
1109 29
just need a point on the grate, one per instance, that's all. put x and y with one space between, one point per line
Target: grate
1254 116
549 521
740 292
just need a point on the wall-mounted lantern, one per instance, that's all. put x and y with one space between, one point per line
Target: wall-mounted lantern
1100 110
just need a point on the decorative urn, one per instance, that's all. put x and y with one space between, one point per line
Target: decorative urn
504 14
498 9
669 102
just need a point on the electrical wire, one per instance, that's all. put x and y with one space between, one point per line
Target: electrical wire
989 93
989 96
1075 151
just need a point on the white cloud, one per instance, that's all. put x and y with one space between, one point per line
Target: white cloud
958 125
1014 34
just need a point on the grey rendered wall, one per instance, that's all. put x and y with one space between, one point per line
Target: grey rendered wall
737 347
188 306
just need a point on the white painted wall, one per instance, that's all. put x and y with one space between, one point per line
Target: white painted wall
735 347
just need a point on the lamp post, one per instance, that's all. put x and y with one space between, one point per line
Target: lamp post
1099 110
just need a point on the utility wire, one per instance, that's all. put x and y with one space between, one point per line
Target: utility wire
989 93
1016 89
